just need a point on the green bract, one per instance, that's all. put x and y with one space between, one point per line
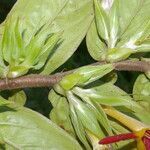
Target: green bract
85 75
49 28
74 101
18 56
120 28
60 112
78 127
107 94
81 113
87 104
85 115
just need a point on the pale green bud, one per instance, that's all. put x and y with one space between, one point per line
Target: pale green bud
118 54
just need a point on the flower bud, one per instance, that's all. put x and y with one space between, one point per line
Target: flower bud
118 54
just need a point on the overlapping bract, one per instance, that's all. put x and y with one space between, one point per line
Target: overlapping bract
84 115
120 28
81 112
61 17
18 56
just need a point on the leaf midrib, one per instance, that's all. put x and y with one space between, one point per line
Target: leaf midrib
136 13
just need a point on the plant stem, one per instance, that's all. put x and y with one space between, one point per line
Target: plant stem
37 80
129 65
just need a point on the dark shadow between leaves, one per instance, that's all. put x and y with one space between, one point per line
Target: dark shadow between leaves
5 108
2 147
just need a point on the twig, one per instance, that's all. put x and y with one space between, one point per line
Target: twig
129 65
37 80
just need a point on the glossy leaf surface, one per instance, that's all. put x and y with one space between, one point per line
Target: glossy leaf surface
141 90
32 131
19 97
38 23
122 28
85 75
60 114
107 94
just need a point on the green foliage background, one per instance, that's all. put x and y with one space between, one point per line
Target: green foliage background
35 97
82 89
81 57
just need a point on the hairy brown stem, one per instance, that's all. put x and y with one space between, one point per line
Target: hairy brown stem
128 65
38 80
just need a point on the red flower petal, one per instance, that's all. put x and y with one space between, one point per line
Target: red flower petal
146 140
117 138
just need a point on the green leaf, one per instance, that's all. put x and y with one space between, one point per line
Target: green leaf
41 44
70 80
80 131
136 23
85 115
1 30
33 18
118 54
4 101
148 74
109 94
141 94
143 115
126 24
74 20
47 49
32 131
22 56
85 75
12 43
96 47
114 24
95 107
15 71
18 97
46 17
133 12
102 21
141 89
60 114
